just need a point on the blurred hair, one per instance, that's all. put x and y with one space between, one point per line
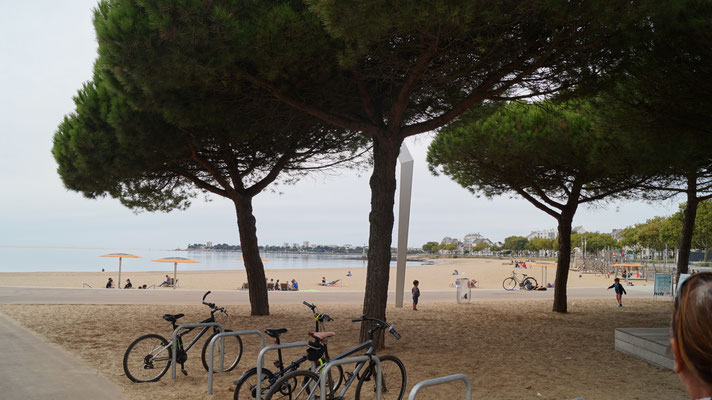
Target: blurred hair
692 324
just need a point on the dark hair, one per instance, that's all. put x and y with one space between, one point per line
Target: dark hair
415 282
617 280
692 324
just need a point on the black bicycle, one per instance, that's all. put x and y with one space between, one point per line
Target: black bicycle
148 358
305 384
246 386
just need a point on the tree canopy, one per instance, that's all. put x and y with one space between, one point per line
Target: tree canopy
149 157
554 156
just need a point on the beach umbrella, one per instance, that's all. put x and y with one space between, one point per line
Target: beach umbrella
263 259
175 261
120 257
543 266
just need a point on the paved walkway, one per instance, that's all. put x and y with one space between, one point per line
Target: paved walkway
31 368
33 295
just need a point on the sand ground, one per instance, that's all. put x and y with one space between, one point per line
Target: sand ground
488 272
509 349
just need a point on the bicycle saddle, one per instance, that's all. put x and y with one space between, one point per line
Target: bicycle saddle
172 317
322 335
275 332
524 275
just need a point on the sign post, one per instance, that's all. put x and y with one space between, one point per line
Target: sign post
663 285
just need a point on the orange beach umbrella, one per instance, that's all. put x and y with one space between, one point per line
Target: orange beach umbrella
175 261
120 257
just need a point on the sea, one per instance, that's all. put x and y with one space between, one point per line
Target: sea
45 259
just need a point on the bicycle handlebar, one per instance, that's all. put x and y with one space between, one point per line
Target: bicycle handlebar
322 316
311 306
379 325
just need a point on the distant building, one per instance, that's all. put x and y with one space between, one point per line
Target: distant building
448 240
305 245
208 244
617 234
543 234
472 239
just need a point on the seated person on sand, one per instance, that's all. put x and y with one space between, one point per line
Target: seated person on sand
348 273
167 282
294 285
276 285
323 281
128 284
110 283
455 272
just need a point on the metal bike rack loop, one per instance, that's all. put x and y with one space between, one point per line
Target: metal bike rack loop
350 360
175 342
441 380
212 349
261 361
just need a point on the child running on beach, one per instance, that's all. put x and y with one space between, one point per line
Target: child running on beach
620 291
416 293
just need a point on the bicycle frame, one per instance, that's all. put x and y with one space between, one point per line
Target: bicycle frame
359 366
196 338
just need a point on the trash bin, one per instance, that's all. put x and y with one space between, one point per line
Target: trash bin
464 292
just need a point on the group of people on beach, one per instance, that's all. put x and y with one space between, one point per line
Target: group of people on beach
291 285
128 285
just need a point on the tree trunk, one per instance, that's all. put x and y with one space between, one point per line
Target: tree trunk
563 262
246 223
688 226
383 189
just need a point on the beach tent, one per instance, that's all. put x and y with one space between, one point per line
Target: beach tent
120 256
175 261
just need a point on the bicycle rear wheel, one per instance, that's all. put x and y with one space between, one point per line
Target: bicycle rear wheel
296 385
531 285
147 358
509 284
392 382
233 352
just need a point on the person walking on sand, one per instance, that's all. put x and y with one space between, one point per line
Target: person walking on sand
620 291
416 293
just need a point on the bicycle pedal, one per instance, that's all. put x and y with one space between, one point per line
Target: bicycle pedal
184 372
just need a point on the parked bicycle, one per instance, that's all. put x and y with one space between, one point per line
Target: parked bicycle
513 281
246 386
148 358
305 384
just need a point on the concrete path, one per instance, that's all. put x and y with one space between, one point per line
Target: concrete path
31 368
33 295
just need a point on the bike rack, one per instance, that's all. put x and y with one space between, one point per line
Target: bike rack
350 360
175 342
441 380
261 361
212 349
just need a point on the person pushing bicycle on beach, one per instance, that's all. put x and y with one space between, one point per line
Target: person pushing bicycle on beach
620 291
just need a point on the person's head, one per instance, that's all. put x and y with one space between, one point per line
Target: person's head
691 334
416 282
110 279
128 281
616 280
293 280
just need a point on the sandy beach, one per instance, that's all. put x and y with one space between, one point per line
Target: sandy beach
509 350
489 274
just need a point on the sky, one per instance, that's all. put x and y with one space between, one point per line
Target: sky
47 52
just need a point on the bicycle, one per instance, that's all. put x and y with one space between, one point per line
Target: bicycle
246 385
148 358
527 283
305 384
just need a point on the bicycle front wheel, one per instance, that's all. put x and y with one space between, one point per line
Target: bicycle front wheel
532 283
147 358
296 385
393 380
233 353
509 283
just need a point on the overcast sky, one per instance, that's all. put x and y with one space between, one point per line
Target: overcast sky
46 53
